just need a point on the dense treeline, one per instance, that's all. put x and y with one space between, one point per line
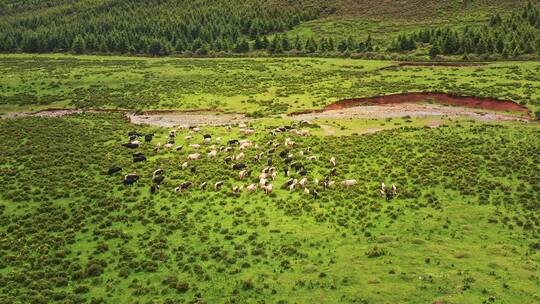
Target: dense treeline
163 27
515 35
156 27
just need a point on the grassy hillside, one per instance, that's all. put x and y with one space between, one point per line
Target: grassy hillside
411 10
464 229
265 85
219 27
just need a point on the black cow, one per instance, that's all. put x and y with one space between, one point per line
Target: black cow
286 170
131 145
134 133
389 194
233 142
271 151
288 160
303 172
297 166
227 159
154 188
138 157
130 179
185 185
148 137
158 179
239 166
114 169
205 136
283 153
269 161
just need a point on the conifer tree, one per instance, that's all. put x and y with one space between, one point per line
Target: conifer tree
78 46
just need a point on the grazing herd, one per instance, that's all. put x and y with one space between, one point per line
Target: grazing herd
235 154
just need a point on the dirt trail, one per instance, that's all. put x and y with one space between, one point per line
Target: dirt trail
187 119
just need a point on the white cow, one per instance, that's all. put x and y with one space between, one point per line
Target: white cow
349 182
242 174
193 156
303 132
239 156
252 188
267 188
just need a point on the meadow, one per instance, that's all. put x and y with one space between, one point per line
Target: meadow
385 21
465 227
226 151
257 86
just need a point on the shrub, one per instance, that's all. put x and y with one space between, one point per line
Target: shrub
375 252
81 289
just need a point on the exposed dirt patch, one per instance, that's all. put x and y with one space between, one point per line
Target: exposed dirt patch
380 107
401 110
162 118
442 98
187 119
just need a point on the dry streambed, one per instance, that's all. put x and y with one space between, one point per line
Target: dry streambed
381 107
406 109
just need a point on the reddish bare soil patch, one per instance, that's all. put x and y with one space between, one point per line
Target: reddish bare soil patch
442 98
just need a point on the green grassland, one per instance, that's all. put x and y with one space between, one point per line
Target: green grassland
385 29
247 85
385 20
464 229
